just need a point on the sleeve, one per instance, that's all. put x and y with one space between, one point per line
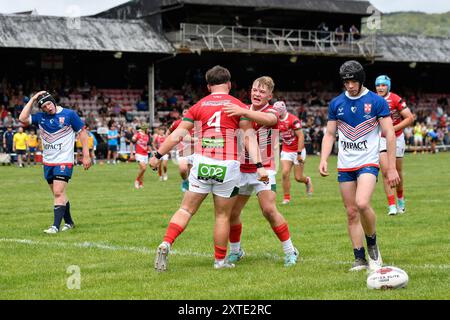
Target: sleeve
191 114
383 110
332 112
76 123
401 104
35 118
296 124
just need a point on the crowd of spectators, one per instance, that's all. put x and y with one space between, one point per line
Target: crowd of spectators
431 111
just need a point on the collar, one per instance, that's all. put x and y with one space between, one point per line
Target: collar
262 109
365 91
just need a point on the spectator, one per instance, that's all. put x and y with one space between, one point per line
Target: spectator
354 33
340 34
323 30
8 141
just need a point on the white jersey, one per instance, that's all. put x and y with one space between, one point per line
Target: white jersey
58 135
358 128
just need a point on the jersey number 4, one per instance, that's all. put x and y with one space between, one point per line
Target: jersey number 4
214 121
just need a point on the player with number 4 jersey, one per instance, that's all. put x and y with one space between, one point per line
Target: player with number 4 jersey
215 167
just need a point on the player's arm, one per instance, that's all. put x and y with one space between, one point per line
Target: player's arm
14 143
84 139
24 116
301 143
252 147
267 119
172 140
408 119
327 146
388 131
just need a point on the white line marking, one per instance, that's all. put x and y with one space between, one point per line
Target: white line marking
189 253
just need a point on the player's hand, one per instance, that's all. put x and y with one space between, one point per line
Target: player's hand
86 162
393 178
323 169
232 110
154 163
263 175
37 95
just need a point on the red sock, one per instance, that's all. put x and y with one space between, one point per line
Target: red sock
220 252
287 197
235 233
172 232
400 194
282 232
391 200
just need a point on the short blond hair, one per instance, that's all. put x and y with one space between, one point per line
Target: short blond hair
265 81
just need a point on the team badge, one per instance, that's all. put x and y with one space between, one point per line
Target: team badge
61 121
62 167
367 107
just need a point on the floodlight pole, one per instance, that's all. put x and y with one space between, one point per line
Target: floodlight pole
151 93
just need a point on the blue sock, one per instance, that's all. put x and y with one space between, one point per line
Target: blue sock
371 240
359 253
59 212
67 216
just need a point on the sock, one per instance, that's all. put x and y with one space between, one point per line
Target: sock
282 232
173 231
235 238
220 253
287 197
67 216
359 253
59 212
400 194
371 240
391 200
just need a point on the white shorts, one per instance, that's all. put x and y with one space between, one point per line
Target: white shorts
141 158
165 157
221 177
249 183
292 156
400 146
189 159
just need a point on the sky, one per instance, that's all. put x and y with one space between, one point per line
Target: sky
89 7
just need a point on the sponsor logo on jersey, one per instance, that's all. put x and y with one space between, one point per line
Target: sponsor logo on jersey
355 146
354 109
213 143
211 172
50 146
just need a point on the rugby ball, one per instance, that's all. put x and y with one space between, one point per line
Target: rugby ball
387 278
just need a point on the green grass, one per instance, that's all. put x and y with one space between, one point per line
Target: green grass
118 229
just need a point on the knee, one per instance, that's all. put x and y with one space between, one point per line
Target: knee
362 205
58 194
269 212
352 215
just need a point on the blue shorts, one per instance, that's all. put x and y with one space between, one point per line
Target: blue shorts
32 149
347 176
60 172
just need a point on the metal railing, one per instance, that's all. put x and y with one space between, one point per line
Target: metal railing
270 40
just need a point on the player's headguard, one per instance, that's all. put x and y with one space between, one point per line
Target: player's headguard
383 79
352 70
44 98
280 107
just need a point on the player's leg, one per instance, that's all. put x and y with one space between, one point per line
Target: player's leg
399 188
108 156
178 223
365 188
236 252
222 207
354 227
300 177
267 203
390 193
286 166
165 162
183 168
160 175
139 182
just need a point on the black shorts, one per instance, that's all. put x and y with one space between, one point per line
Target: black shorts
21 152
112 148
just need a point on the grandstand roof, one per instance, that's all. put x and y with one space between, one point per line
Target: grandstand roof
401 48
339 6
62 33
